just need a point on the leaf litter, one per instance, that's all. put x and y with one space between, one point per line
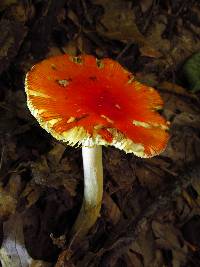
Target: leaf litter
150 214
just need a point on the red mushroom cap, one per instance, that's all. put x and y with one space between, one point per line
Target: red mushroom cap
86 101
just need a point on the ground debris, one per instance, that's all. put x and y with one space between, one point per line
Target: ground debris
13 251
150 214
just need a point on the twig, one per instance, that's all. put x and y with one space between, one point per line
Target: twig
127 46
149 18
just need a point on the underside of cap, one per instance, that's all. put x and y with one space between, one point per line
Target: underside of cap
86 102
79 137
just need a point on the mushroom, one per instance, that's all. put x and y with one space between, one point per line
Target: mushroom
87 102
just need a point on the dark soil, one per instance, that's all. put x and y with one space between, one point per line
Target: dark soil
150 214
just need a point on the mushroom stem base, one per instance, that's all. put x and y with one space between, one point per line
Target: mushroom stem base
93 190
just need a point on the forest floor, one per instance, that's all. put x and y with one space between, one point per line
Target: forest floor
150 214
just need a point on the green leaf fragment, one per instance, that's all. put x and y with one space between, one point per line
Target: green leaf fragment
191 70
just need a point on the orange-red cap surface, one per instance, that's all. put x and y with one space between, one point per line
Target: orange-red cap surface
85 101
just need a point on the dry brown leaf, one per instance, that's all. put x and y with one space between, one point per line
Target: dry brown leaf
176 50
31 194
14 186
188 198
133 260
174 88
183 113
13 34
13 252
145 5
7 204
43 175
112 211
56 153
196 185
146 49
55 171
144 245
5 3
119 22
149 176
169 238
119 168
154 34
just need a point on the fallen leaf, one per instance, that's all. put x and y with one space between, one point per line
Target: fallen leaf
119 24
56 170
170 238
191 231
145 5
144 245
146 49
7 204
166 235
133 260
31 194
56 153
6 3
13 34
13 252
174 88
111 209
191 70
